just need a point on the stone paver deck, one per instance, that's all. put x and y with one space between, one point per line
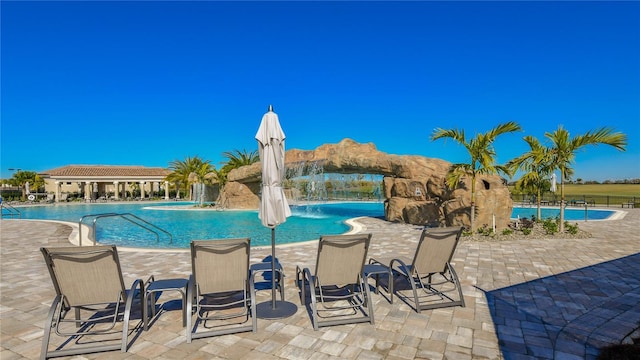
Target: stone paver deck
527 299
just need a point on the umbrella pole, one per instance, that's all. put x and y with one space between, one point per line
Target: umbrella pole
273 268
275 309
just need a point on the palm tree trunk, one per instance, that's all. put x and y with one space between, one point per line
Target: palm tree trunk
538 201
473 201
562 200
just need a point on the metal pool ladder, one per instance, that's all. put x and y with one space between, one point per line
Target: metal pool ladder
9 211
126 216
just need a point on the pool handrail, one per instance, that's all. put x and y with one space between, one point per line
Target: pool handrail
124 216
11 211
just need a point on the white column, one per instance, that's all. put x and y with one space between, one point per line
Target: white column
58 186
152 187
87 191
141 189
116 186
166 190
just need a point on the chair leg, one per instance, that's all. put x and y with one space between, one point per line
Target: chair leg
368 301
314 308
390 286
415 294
47 327
456 282
127 311
252 296
189 308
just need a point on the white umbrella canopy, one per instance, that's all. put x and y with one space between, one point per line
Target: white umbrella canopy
274 208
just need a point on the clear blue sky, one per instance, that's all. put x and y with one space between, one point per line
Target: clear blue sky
145 83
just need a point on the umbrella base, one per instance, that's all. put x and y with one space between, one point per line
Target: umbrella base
283 309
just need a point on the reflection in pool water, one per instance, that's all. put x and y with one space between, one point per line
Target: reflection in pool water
186 222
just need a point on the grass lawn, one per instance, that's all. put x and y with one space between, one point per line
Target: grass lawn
629 190
607 194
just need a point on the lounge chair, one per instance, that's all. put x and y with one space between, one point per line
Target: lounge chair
221 287
338 291
430 277
89 281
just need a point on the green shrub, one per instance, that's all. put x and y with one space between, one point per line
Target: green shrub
485 230
526 231
550 226
507 232
571 229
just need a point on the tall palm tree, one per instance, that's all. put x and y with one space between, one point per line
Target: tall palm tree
482 155
564 148
537 165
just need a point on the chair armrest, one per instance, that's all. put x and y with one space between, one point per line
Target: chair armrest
305 273
373 261
151 279
401 267
137 283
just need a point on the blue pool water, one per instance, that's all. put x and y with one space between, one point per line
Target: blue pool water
569 214
186 222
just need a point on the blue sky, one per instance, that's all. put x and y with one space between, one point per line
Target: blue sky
146 83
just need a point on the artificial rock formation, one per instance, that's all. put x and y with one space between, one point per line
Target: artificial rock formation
414 186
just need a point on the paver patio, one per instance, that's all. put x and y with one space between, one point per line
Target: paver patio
526 299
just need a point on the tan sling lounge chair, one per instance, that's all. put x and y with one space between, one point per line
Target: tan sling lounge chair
430 277
339 294
88 280
221 287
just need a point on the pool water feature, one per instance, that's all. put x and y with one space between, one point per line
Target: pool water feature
186 222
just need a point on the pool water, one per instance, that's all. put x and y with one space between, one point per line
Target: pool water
569 214
186 222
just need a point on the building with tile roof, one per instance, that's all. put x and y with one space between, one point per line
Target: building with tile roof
92 182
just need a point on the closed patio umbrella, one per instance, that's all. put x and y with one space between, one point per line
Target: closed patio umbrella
274 208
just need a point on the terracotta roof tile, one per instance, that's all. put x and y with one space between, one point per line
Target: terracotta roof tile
106 170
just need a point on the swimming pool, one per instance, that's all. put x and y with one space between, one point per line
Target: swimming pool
569 214
186 222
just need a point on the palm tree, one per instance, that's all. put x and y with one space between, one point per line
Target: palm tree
237 158
182 171
536 163
564 148
201 175
482 155
21 178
